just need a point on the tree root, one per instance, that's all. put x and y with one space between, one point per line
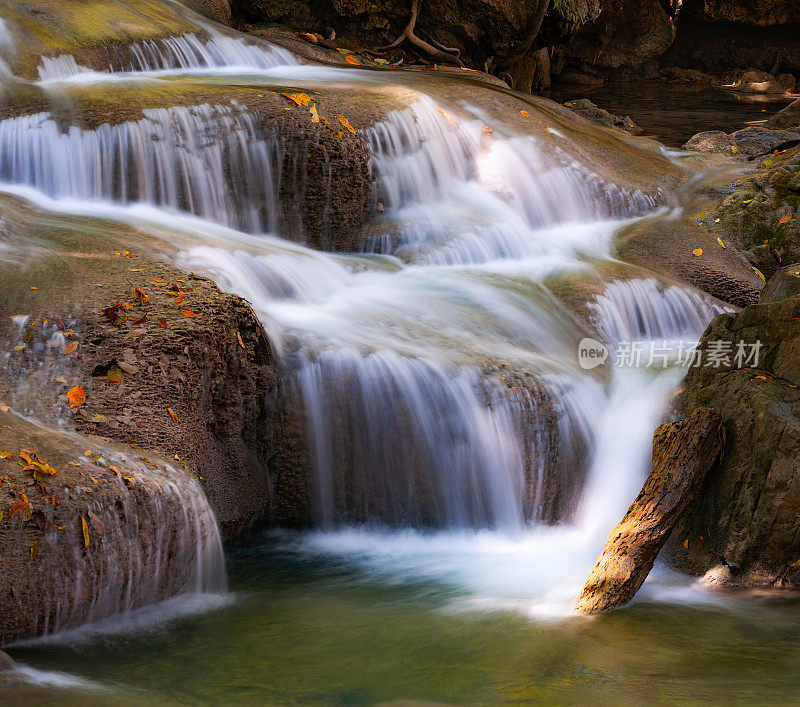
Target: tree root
438 52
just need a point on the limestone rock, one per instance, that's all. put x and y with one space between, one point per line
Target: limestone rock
748 512
683 453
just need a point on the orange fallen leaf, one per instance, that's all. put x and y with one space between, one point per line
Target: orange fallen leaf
299 99
697 251
140 296
162 323
173 415
686 543
179 298
346 123
70 348
189 313
5 454
33 287
239 337
314 115
524 114
786 219
140 320
308 37
76 397
352 60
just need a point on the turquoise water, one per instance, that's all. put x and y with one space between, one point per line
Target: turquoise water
314 630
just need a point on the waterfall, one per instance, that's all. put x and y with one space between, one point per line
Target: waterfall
186 52
434 375
159 540
454 193
640 309
217 162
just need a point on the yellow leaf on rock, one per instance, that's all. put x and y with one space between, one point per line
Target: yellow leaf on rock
346 123
697 251
300 99
759 273
524 114
85 528
314 115
719 240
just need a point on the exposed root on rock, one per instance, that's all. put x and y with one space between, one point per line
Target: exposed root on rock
435 51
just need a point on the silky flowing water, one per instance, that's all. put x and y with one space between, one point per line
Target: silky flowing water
456 514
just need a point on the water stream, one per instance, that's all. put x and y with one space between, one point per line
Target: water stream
464 466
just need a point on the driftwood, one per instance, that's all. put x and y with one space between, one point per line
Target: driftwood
683 453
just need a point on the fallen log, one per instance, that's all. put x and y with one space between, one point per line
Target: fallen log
683 453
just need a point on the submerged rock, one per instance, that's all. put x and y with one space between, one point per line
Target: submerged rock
683 453
591 111
744 144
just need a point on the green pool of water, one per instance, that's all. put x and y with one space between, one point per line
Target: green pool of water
315 631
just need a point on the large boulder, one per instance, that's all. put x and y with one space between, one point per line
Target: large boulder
625 34
747 516
786 119
92 529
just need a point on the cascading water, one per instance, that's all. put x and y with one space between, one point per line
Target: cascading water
445 413
219 163
184 52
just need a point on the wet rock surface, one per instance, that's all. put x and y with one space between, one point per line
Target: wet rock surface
189 349
683 454
691 253
91 530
